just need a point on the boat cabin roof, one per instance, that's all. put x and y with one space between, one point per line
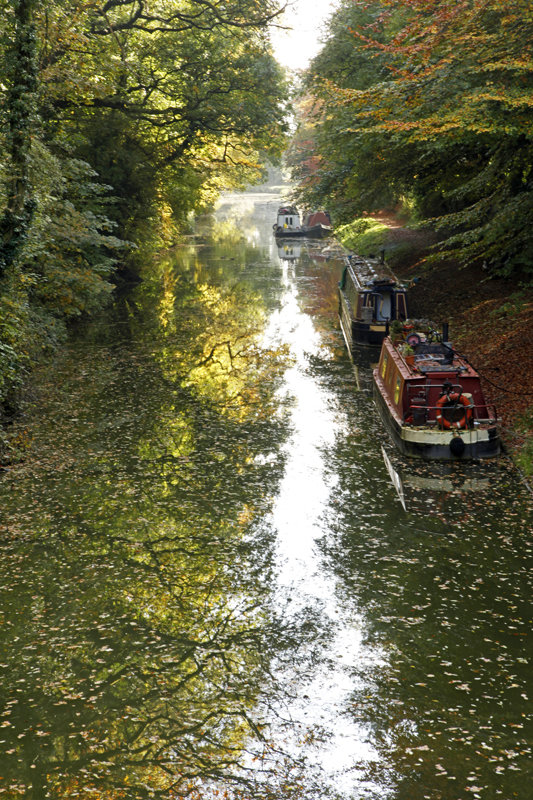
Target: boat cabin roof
292 210
318 218
440 358
435 360
371 276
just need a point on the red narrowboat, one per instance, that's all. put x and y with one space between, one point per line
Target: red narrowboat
430 398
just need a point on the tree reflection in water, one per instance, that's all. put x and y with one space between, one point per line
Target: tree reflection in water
208 582
137 631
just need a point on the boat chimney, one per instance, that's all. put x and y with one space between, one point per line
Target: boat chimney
382 255
445 331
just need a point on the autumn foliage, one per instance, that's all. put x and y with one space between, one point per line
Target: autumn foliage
427 103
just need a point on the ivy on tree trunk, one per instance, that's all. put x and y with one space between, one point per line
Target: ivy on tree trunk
20 107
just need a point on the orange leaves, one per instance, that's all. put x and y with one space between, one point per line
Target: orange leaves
452 66
415 38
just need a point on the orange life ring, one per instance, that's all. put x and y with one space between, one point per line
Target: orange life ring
456 399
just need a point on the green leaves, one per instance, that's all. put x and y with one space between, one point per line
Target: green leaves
145 111
20 103
161 89
430 100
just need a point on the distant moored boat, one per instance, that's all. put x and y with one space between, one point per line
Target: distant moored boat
288 225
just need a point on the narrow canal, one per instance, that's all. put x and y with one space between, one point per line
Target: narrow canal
210 587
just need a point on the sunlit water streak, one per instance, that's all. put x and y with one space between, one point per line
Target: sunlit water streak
299 520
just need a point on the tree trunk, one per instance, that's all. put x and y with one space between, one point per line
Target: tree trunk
20 106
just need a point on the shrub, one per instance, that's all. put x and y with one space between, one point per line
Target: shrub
365 236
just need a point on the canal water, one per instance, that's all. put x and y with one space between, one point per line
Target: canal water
211 588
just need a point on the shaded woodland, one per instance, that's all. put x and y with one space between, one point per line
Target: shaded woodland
120 119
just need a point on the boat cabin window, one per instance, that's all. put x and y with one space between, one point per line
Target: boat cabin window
365 301
401 306
288 221
384 364
397 390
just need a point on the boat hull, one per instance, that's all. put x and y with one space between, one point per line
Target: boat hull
431 443
314 232
359 334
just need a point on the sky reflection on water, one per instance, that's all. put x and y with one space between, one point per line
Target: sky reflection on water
298 520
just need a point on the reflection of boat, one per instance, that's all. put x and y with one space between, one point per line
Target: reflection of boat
369 298
430 398
289 250
322 253
443 488
288 225
395 478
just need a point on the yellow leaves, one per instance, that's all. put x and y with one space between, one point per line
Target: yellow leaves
510 63
168 299
246 515
503 96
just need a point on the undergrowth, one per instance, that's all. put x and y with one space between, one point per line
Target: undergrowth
364 235
524 456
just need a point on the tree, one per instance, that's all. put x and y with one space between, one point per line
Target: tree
121 118
161 88
444 119
20 112
334 165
